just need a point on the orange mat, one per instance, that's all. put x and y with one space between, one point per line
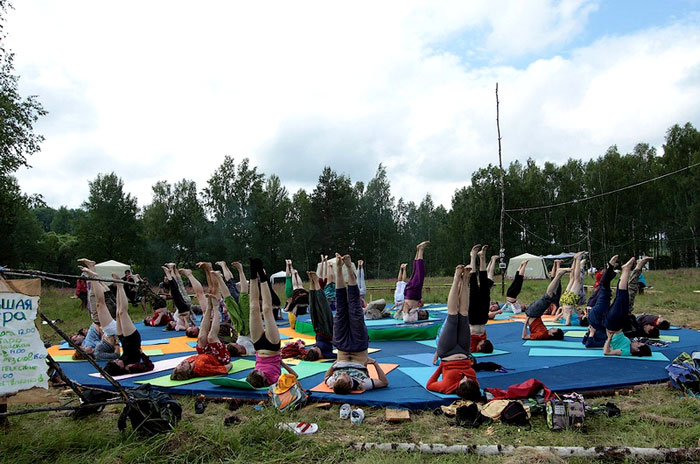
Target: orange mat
323 388
176 345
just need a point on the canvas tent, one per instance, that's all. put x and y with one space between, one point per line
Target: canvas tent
107 268
281 275
536 269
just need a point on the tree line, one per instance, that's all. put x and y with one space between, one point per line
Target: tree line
241 212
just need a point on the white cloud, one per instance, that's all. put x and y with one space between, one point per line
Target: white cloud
163 90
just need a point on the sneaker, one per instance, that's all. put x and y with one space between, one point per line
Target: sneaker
345 411
357 416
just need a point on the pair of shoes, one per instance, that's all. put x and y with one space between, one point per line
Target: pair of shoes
356 416
257 269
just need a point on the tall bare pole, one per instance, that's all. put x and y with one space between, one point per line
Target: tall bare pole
502 251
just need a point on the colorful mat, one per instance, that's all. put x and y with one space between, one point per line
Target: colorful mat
560 373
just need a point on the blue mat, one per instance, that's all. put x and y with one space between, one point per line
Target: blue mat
560 373
421 376
589 353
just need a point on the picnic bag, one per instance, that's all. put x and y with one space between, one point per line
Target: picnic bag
565 414
150 411
285 397
515 414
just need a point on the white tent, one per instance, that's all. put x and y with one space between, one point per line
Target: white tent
278 275
345 271
107 268
535 269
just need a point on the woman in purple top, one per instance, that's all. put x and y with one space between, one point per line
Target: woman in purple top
413 292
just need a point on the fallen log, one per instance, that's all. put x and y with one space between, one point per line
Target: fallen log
617 453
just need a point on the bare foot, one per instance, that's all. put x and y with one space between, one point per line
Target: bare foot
206 266
312 275
643 261
221 264
237 265
347 261
482 252
562 271
88 263
629 264
579 254
613 260
458 271
467 269
422 244
360 263
186 272
88 272
583 261
404 265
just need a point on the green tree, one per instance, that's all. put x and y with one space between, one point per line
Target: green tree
110 229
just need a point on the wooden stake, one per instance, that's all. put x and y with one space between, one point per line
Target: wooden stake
503 201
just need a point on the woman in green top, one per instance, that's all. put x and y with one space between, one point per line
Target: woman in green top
617 343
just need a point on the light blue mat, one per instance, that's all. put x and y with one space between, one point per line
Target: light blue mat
555 344
655 355
421 375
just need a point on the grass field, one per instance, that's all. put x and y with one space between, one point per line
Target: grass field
651 417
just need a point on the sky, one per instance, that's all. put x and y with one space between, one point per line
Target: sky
163 90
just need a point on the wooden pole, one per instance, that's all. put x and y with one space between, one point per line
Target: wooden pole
502 251
88 358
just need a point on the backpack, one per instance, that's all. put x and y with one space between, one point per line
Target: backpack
470 417
293 398
515 414
150 412
92 396
683 375
565 414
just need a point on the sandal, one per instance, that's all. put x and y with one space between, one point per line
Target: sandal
300 428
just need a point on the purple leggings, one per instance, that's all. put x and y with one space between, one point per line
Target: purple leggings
414 289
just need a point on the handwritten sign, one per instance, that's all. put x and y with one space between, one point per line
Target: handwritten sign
23 364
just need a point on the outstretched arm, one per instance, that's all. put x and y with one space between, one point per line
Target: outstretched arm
288 369
607 349
526 336
383 381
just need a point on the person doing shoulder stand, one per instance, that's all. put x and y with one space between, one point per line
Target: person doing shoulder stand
455 367
350 336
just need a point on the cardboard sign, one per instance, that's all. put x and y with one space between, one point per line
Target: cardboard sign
22 360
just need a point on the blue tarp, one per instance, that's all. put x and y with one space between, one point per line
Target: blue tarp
558 373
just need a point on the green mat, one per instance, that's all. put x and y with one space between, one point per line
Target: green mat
413 331
655 356
307 368
391 321
582 333
66 358
555 344
228 382
237 366
303 369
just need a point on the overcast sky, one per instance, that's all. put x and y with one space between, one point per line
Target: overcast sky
164 90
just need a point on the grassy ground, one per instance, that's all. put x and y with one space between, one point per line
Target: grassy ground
202 438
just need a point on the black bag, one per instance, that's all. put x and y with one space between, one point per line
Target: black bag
514 414
470 416
150 412
92 396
